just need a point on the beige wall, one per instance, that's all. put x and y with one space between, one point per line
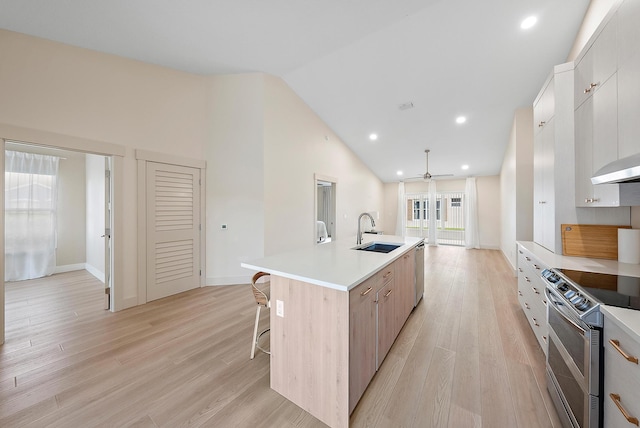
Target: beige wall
516 185
488 189
594 15
71 203
80 94
235 177
298 144
94 213
267 144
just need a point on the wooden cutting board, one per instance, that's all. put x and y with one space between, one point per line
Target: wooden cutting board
591 240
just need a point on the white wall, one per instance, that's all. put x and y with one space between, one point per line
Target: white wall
516 185
95 220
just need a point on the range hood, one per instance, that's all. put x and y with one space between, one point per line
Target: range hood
625 170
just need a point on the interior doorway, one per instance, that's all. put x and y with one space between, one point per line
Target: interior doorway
77 220
325 209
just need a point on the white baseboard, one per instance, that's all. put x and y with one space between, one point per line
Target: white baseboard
229 280
69 268
95 271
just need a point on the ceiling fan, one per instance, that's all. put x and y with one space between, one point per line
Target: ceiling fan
428 176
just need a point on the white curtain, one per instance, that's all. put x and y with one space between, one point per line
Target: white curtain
471 228
30 215
402 215
433 225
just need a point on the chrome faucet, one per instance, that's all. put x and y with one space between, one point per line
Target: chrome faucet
373 224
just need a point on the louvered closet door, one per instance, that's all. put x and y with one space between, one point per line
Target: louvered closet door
173 229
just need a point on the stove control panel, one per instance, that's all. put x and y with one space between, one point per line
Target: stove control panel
571 293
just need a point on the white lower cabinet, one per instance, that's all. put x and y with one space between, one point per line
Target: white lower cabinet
621 377
531 294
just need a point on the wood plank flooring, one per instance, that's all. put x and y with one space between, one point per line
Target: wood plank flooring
465 358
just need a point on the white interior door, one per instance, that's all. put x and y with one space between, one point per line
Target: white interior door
107 232
173 229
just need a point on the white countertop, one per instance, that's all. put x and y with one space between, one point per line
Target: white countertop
627 319
333 264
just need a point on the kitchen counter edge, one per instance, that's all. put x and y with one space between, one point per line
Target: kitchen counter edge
627 319
335 264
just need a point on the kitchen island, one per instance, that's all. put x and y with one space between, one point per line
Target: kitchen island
335 313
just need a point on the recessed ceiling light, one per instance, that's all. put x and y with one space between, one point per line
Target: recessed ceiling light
528 22
465 166
461 119
373 137
399 172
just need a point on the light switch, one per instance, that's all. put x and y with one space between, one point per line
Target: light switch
280 308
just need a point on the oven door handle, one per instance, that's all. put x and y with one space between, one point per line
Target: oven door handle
557 306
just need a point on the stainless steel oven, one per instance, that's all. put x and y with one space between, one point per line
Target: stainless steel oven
575 373
573 365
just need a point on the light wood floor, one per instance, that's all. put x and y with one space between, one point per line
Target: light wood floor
465 358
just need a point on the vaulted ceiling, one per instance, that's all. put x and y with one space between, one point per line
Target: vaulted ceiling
354 62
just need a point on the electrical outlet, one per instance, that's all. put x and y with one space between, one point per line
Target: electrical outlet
280 308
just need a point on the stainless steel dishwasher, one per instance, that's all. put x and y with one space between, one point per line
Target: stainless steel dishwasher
419 271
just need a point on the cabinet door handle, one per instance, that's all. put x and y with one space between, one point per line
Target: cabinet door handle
591 86
367 291
535 322
387 274
616 344
535 290
591 200
627 416
519 293
526 278
526 305
387 293
520 251
544 302
528 259
541 124
542 202
536 266
520 270
544 339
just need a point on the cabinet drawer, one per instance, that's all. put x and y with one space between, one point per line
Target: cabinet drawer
385 275
621 376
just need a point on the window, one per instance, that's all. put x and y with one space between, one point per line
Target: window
30 215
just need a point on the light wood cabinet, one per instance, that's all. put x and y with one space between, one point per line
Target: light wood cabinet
405 271
386 319
621 376
324 344
378 309
531 294
362 339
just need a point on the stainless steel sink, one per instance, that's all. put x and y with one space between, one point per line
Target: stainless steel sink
379 247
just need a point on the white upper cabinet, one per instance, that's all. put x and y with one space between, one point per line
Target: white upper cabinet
598 63
596 118
628 78
544 107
